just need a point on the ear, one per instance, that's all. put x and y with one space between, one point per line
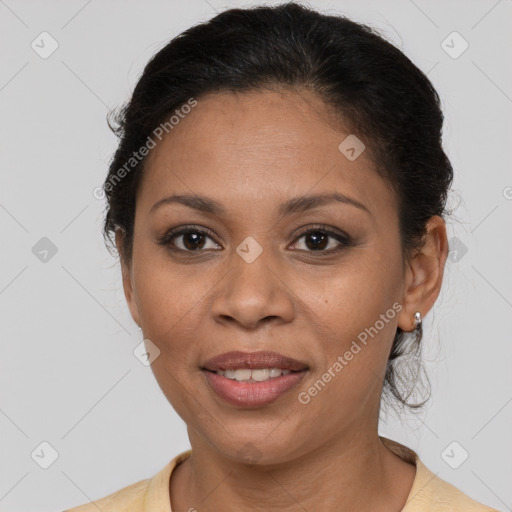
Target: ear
126 271
424 274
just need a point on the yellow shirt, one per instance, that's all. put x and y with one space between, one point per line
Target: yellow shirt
428 493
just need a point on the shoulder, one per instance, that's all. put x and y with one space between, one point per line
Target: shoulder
129 498
429 492
146 495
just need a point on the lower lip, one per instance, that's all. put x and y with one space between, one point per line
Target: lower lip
252 394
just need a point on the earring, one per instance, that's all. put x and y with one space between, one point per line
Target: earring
417 320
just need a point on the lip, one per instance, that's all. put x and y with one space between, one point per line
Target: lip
253 360
252 394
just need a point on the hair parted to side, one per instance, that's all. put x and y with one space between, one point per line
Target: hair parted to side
374 90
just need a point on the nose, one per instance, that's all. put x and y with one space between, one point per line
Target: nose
253 293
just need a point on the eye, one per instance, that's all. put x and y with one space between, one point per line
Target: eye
319 239
323 239
189 239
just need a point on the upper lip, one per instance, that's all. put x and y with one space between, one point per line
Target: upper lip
253 360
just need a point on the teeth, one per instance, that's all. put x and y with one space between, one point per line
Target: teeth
243 374
259 375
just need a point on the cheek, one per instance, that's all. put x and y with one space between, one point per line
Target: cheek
355 293
356 311
360 329
169 296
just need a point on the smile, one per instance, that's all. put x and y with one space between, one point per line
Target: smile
249 392
248 375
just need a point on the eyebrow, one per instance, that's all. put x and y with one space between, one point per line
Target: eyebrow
294 205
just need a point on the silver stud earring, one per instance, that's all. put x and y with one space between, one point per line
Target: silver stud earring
417 320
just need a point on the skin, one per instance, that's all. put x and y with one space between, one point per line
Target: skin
251 152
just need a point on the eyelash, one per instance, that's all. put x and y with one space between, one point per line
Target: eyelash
344 239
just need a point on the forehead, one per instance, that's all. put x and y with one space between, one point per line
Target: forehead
241 147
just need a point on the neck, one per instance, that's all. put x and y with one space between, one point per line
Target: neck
350 472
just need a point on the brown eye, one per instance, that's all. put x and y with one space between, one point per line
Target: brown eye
322 240
316 240
189 240
193 240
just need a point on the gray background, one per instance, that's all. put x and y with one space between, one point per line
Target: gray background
68 375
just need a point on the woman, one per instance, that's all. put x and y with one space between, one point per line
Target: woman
277 202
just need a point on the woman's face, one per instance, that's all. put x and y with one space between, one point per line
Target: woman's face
254 282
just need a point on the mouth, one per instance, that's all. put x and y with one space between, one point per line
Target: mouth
253 379
253 361
255 375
